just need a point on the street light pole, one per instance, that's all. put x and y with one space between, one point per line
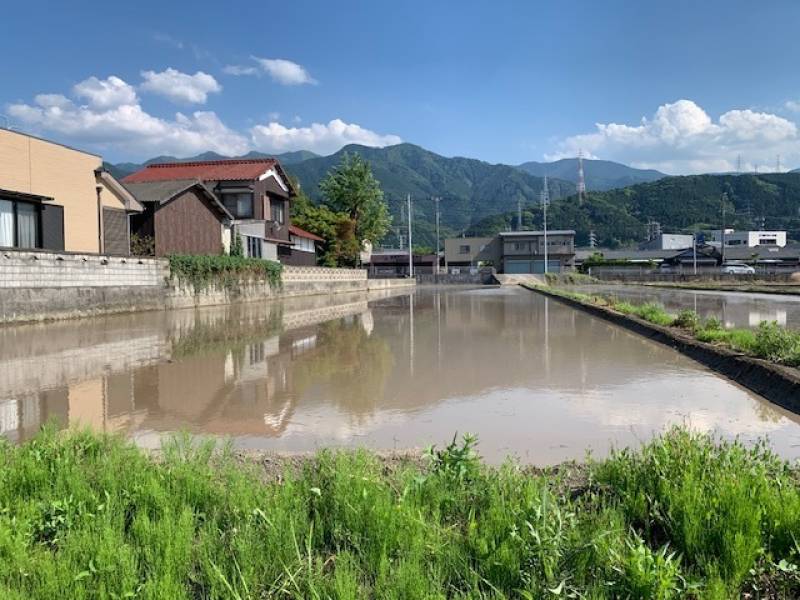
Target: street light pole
722 236
410 245
545 202
437 233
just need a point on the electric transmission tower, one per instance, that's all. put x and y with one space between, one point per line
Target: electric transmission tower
581 179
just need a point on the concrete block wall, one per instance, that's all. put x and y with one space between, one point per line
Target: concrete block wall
37 286
33 269
321 274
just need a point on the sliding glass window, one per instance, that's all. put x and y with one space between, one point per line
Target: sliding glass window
6 223
19 224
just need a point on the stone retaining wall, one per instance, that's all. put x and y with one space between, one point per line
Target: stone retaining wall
36 286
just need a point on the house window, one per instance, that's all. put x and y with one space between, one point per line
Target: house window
767 242
240 205
253 247
519 245
463 249
19 224
276 209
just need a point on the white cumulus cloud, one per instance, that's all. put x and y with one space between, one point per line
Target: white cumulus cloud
180 87
105 93
240 70
280 70
317 137
126 127
114 120
792 105
682 138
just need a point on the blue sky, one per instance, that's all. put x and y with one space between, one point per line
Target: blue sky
500 81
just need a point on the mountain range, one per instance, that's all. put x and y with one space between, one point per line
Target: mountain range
598 174
469 190
680 204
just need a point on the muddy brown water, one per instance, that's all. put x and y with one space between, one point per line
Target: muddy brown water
530 376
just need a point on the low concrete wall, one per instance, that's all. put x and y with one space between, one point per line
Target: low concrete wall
643 276
296 282
35 269
37 286
480 278
777 383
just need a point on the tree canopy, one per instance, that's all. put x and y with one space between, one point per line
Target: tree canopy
351 188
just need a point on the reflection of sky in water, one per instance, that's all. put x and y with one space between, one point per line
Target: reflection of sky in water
734 309
530 376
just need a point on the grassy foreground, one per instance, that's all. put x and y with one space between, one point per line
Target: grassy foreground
87 516
769 341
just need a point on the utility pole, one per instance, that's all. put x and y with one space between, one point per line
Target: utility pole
436 199
519 214
410 245
722 236
400 229
778 165
545 202
694 252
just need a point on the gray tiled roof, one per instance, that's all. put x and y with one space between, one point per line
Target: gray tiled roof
164 191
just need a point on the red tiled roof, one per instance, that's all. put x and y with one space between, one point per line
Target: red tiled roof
296 231
210 170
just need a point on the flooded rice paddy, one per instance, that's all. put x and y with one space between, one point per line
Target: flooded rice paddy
532 377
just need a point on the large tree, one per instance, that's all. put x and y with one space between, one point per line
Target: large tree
336 228
351 188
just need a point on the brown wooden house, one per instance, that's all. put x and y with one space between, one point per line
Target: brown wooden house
256 193
181 217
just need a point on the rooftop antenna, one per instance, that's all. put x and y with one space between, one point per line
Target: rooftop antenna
581 179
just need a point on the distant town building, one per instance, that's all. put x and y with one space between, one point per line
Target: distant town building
57 198
472 251
668 241
749 239
524 251
513 251
393 262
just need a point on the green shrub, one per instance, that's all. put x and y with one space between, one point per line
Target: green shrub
777 343
226 271
687 319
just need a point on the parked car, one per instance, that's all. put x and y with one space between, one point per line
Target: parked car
738 269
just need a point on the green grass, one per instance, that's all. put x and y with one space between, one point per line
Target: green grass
88 516
224 270
769 341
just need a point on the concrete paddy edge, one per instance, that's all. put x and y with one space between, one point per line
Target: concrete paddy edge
778 384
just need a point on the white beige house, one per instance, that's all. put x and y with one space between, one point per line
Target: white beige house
57 198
